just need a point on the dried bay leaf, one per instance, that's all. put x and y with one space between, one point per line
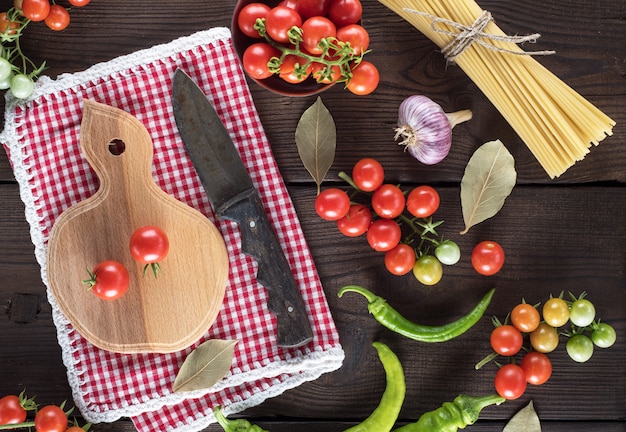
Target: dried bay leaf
205 365
526 420
488 179
316 140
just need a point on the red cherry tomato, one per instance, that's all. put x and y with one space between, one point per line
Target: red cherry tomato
345 12
422 201
292 69
365 78
109 280
368 174
310 8
332 204
356 222
506 340
279 21
256 58
50 418
537 367
247 18
36 10
58 19
400 260
388 201
11 410
79 3
384 235
149 245
510 381
6 26
356 36
314 30
488 258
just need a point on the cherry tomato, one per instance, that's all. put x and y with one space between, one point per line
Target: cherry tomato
555 312
345 12
332 204
22 86
364 80
356 222
292 69
58 19
368 174
506 340
423 201
428 270
256 57
75 429
537 367
579 347
11 410
247 18
545 338
384 235
36 10
6 26
149 245
314 30
311 8
5 69
279 21
448 252
582 312
324 74
50 418
79 3
487 257
388 201
109 280
400 260
356 36
510 381
525 317
603 335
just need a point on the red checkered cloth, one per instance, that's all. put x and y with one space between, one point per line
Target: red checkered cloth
41 138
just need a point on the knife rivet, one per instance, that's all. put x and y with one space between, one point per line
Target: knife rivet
252 224
290 309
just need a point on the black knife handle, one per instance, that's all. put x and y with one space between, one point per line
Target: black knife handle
260 242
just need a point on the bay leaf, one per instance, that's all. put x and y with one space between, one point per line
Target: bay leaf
316 140
526 420
205 365
488 180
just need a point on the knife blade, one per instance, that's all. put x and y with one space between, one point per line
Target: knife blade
233 197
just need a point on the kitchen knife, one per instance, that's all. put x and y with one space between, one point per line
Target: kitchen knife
233 197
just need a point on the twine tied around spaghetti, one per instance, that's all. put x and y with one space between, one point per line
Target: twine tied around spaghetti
465 35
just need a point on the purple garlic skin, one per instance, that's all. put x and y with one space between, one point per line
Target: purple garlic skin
426 130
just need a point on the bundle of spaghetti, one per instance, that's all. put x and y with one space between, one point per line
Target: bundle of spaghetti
556 123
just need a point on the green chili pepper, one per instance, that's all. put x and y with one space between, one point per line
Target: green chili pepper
239 425
452 416
391 318
384 416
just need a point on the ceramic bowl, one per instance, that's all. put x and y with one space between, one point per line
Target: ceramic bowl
274 83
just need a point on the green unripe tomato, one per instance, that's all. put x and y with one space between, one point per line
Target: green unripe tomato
582 312
603 335
448 252
580 348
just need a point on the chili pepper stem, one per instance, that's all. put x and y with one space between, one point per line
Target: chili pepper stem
369 296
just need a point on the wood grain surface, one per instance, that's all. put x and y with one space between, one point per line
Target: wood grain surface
159 313
567 234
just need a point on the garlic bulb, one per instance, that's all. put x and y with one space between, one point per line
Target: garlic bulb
425 129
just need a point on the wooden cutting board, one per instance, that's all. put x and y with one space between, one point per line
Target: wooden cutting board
162 314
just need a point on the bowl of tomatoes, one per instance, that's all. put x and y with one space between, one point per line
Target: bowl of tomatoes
303 47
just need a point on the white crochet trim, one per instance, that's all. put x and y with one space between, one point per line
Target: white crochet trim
306 367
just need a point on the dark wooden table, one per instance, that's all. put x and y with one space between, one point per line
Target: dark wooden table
559 235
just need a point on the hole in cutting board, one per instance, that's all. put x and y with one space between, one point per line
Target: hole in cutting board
117 146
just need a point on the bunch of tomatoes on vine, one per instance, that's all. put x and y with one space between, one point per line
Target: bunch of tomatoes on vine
543 330
309 39
400 224
17 72
50 418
